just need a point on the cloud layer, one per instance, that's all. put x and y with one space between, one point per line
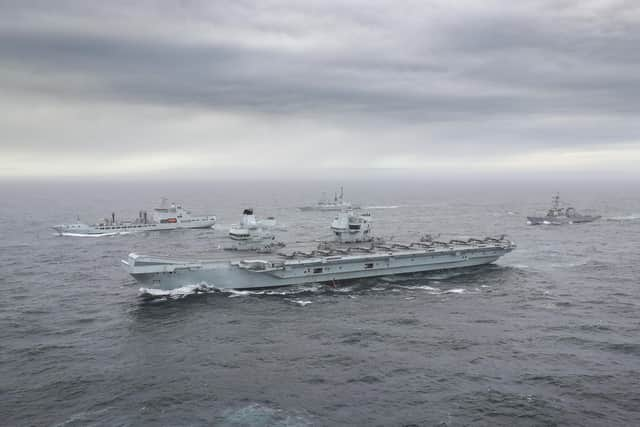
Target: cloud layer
145 87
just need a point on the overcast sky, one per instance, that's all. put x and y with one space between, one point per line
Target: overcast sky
213 88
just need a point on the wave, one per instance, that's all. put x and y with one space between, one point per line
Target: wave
177 292
421 287
289 290
437 291
256 414
520 266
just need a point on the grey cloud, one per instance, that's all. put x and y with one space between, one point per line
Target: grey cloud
479 79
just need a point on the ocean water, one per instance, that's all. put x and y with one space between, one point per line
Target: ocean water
549 335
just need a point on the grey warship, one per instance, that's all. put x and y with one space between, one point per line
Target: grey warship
559 216
337 204
163 217
354 254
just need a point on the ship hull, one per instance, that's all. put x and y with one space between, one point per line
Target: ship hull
156 273
321 208
80 230
544 220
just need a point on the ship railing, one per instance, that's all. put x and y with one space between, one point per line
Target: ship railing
361 249
341 251
421 244
296 254
458 242
400 246
384 247
475 240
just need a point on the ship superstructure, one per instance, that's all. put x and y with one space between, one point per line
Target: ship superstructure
349 227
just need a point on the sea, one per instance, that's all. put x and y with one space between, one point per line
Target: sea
547 336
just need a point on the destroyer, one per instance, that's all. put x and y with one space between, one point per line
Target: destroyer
161 218
328 262
558 215
337 204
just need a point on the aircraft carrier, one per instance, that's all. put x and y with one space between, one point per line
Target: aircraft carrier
346 258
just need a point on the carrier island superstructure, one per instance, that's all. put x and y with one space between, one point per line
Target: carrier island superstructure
327 262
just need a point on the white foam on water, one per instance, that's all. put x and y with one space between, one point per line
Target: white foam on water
177 292
257 414
521 266
291 290
343 289
422 287
301 302
454 291
579 263
234 293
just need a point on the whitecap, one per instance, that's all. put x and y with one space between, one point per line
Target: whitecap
177 292
455 291
234 293
301 302
421 287
521 266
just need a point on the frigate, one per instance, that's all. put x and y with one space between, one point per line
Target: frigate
347 257
163 217
558 215
337 204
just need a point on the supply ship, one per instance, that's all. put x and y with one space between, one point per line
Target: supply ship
161 218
